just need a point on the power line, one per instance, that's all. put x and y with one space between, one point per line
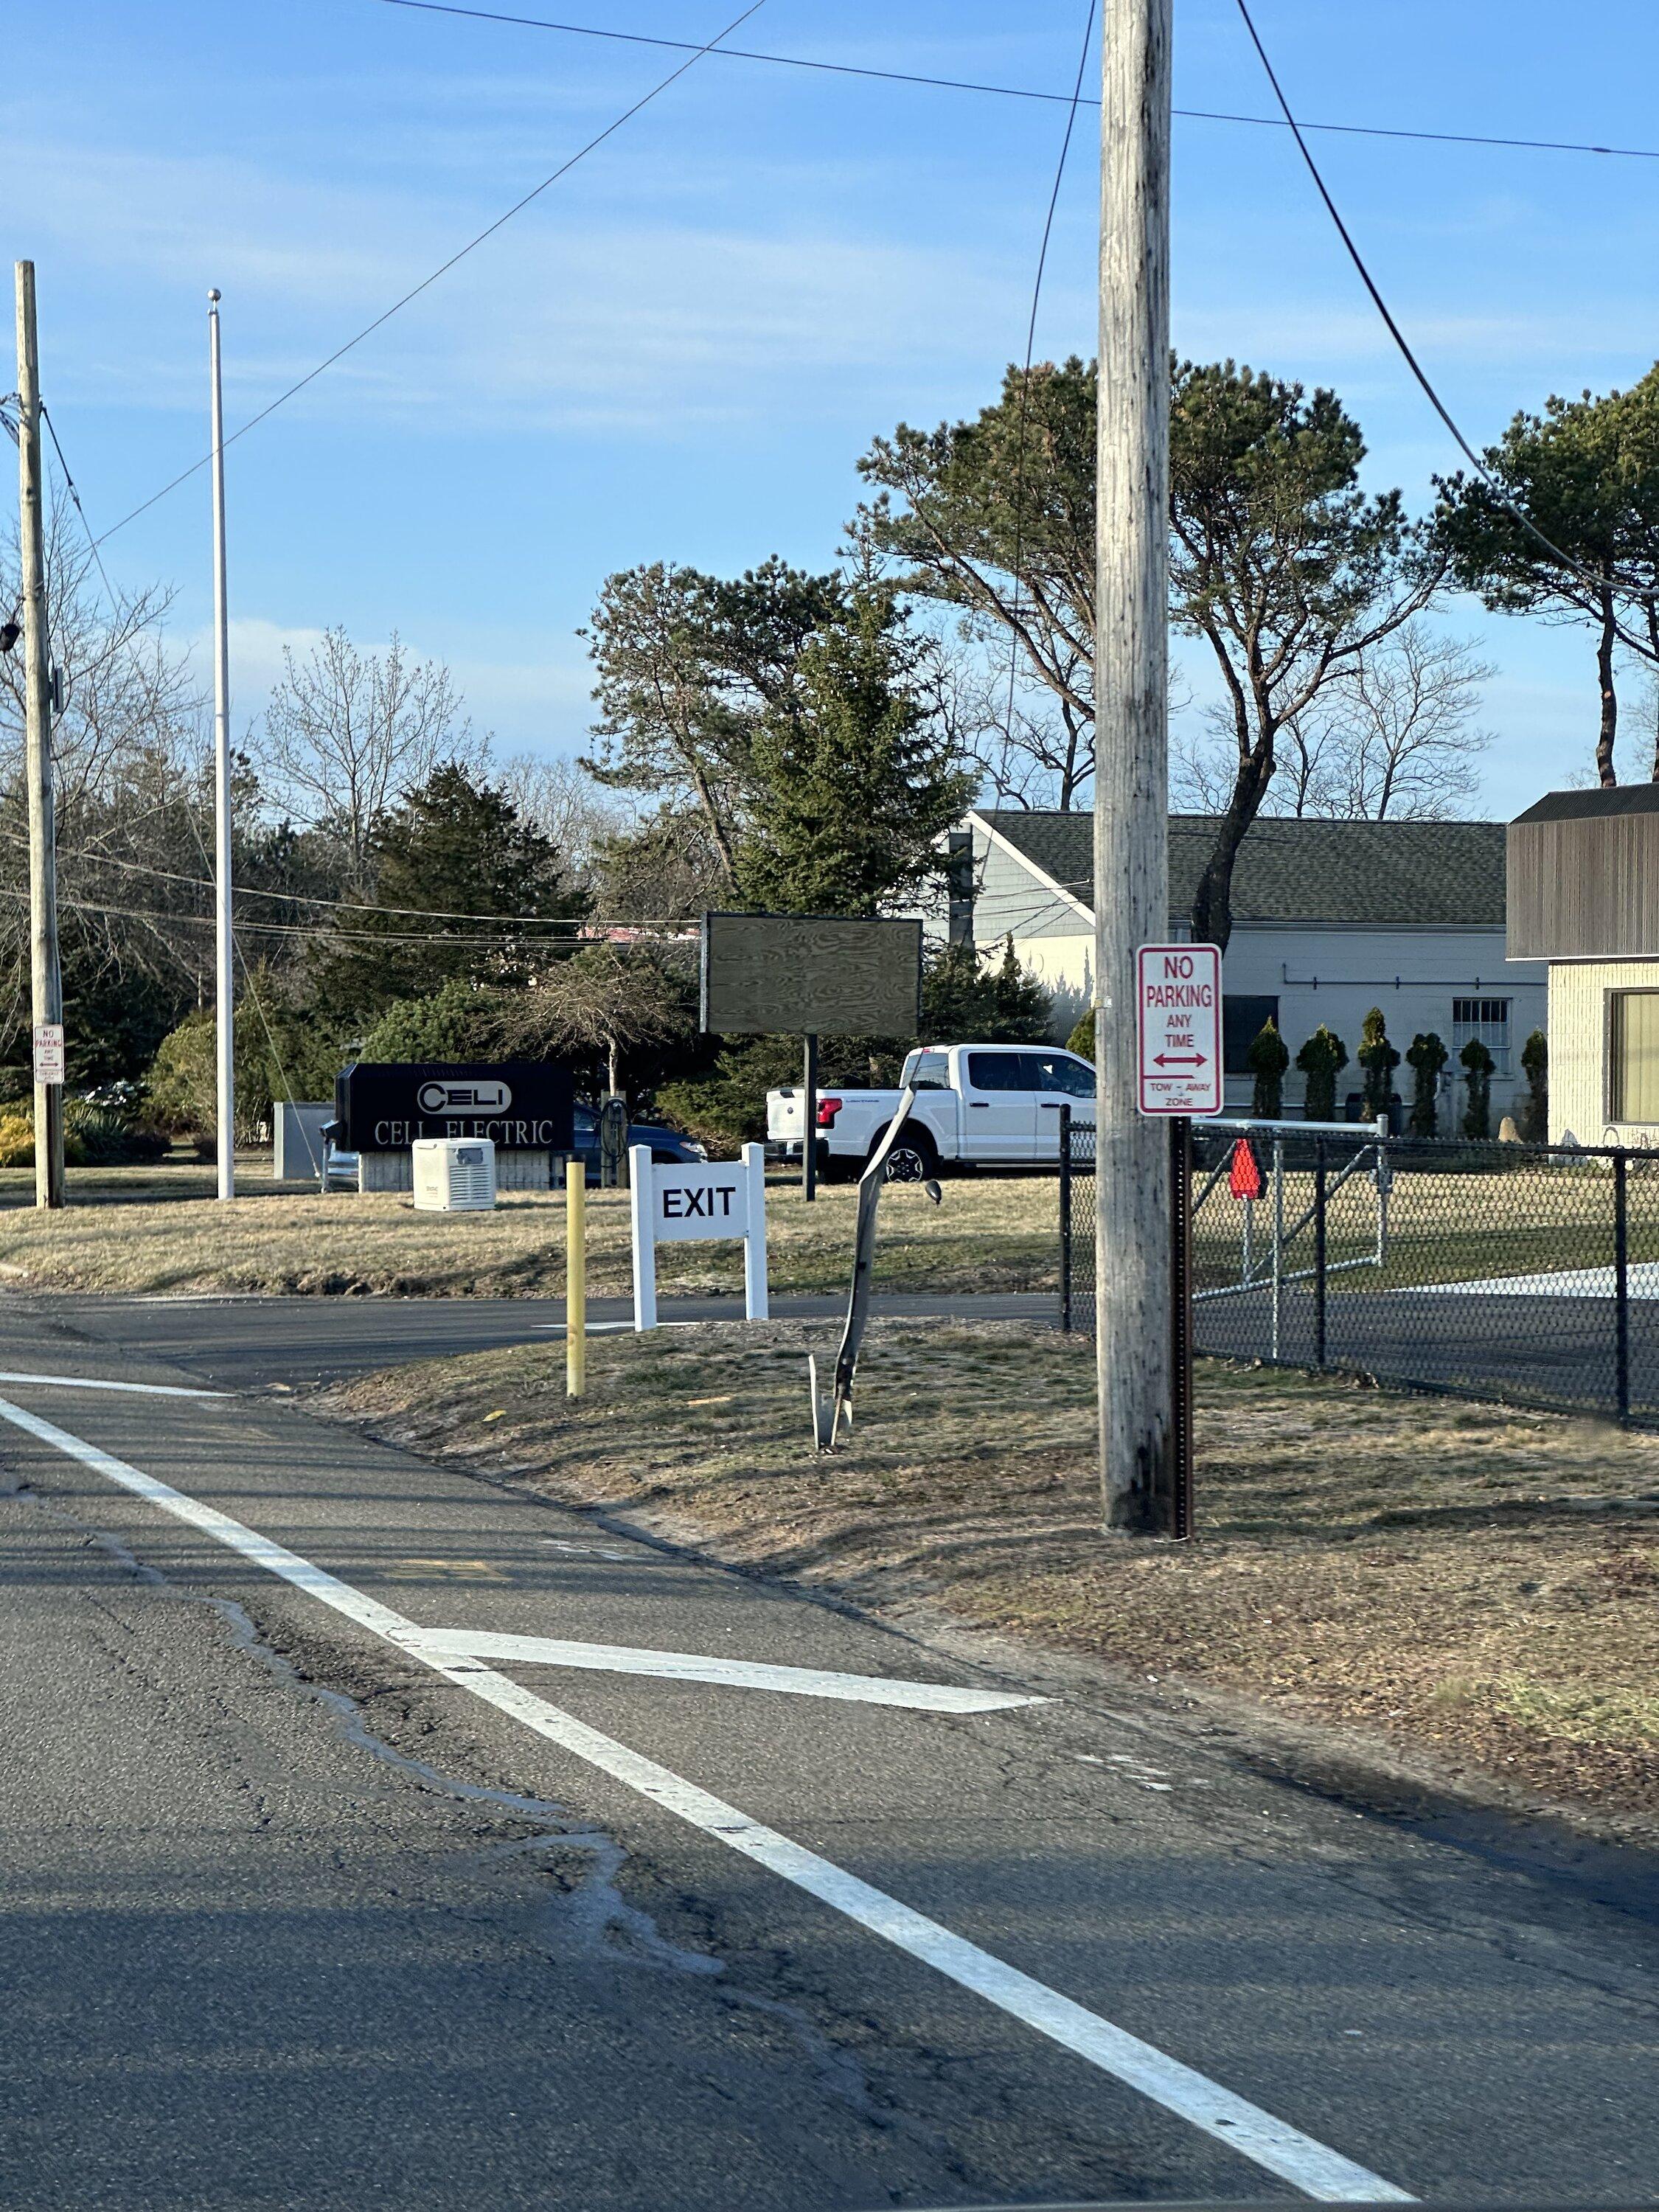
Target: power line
172 916
1011 91
577 922
1599 585
361 906
444 267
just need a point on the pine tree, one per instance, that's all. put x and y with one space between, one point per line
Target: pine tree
966 1001
854 782
454 848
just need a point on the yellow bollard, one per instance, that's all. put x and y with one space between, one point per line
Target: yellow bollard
575 1279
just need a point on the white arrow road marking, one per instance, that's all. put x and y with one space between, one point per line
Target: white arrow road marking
1307 2164
93 1383
691 1666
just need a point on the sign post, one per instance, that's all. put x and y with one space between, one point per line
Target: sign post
673 1204
575 1279
1179 1073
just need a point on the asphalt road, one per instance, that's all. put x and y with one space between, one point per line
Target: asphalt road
314 1899
248 1342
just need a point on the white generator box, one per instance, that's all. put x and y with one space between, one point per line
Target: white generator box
454 1175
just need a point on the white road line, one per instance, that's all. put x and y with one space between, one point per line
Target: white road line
594 1327
1308 2165
96 1382
691 1666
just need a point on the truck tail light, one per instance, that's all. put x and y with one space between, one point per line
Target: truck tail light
828 1109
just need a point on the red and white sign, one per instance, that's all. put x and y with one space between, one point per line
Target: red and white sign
49 1052
1178 1027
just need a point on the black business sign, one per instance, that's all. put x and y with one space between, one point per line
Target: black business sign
383 1106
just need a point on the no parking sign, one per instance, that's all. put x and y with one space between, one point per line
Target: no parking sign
1178 1027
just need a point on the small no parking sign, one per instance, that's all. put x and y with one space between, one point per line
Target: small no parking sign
1178 1027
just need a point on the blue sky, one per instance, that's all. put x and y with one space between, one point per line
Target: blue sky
681 348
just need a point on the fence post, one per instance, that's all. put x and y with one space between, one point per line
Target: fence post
1319 1251
1278 1239
1065 1220
1621 1282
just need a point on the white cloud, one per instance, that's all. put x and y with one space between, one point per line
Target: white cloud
643 317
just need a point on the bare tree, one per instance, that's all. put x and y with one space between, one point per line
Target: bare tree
126 785
1031 745
603 1002
1393 737
348 734
577 816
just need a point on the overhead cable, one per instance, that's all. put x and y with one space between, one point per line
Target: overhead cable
1599 585
1011 91
444 267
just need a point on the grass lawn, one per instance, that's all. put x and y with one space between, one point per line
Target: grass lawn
988 1236
1479 1583
157 1229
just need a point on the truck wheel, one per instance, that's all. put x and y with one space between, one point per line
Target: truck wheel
913 1159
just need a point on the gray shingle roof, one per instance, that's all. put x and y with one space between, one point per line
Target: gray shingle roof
1595 804
1434 873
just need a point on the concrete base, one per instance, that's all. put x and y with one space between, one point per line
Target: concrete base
514 1170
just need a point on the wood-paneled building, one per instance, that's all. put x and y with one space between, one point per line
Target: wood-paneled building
1584 895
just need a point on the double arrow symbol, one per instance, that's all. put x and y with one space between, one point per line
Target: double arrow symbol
1179 1060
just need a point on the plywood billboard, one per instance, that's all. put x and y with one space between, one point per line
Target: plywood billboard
808 975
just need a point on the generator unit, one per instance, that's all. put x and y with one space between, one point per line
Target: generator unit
454 1175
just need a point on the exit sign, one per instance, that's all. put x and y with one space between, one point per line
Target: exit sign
1178 1027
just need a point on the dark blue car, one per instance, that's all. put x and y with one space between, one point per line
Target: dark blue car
667 1146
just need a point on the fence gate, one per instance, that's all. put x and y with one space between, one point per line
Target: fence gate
1510 1272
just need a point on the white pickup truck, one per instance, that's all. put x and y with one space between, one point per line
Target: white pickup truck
977 1105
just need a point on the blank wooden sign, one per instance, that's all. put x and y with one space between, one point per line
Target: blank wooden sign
810 975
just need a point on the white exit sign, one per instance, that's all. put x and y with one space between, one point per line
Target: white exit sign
1178 1027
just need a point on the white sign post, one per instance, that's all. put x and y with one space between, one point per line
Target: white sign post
676 1205
48 1052
1178 1027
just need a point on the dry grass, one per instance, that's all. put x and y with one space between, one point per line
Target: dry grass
986 1235
1477 1583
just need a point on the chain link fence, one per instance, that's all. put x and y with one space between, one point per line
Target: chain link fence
1510 1271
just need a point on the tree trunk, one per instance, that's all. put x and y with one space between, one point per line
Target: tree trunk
1605 769
1212 902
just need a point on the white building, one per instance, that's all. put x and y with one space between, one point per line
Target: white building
1330 919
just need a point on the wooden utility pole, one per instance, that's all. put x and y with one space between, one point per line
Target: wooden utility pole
1133 1274
46 990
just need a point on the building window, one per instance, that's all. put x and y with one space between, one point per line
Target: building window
1633 1056
1242 1022
1485 1020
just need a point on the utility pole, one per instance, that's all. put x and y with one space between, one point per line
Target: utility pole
45 981
1133 1274
224 998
